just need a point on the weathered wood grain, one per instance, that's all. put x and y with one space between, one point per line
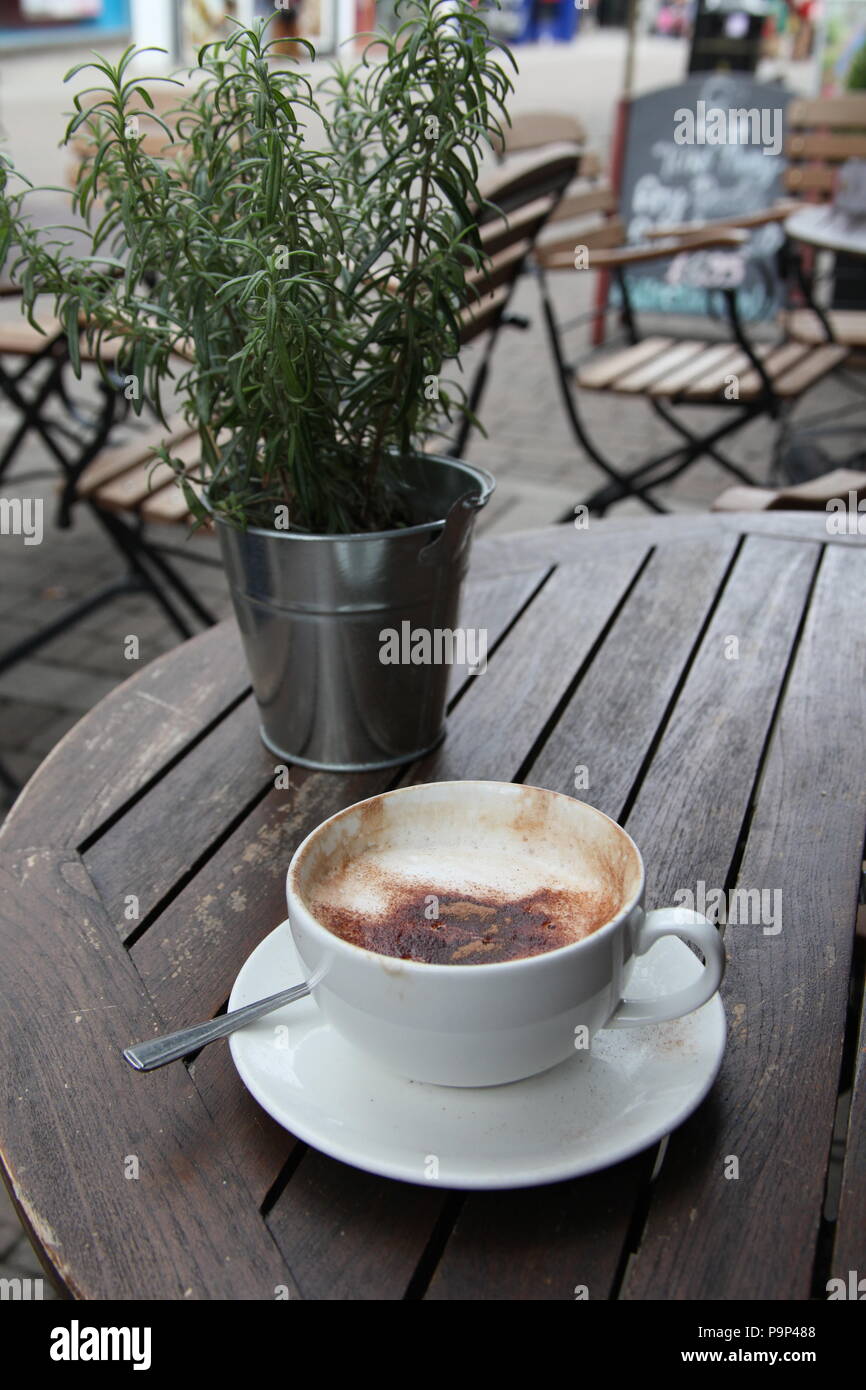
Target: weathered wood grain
73 1115
491 605
191 954
606 730
565 544
189 957
692 802
712 1236
560 1242
127 739
348 1235
170 829
507 706
258 1145
499 717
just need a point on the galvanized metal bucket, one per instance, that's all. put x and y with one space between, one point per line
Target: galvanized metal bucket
312 611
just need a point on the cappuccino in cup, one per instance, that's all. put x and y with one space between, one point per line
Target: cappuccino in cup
465 933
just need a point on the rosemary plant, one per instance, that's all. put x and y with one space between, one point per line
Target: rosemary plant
315 292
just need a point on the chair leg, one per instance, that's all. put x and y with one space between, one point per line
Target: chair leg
620 485
30 412
179 584
739 473
125 542
700 446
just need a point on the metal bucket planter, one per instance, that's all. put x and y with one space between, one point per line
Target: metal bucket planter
312 611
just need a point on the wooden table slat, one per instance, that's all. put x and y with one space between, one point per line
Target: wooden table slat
754 1236
199 799
515 708
544 1243
131 735
349 1235
609 724
74 1118
690 807
503 711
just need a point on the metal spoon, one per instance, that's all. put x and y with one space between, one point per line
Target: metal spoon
156 1052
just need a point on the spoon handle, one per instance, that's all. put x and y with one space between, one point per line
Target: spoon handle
156 1052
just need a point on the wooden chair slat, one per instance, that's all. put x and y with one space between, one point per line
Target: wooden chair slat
609 234
590 164
501 269
596 375
777 361
810 178
168 505
111 462
709 359
476 318
817 145
127 490
579 202
644 376
529 177
712 382
523 222
536 128
848 325
18 338
836 112
556 252
809 496
809 369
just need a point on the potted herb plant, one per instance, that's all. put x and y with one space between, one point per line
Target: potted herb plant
307 246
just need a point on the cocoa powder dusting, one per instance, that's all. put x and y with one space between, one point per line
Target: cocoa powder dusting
471 931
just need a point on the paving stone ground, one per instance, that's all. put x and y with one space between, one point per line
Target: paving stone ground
541 474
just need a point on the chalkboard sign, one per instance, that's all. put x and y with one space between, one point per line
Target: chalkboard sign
706 149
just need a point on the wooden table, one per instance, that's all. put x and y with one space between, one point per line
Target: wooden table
708 673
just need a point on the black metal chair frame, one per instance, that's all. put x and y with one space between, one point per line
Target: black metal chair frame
639 481
793 268
552 184
148 569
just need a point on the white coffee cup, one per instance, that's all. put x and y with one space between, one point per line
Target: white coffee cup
485 1024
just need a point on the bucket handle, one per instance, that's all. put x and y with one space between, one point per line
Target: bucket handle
451 541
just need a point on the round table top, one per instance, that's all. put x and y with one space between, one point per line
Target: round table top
706 673
828 228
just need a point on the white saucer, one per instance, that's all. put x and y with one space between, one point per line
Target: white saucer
633 1087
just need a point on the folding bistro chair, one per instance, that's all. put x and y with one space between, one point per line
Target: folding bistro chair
667 373
36 383
519 201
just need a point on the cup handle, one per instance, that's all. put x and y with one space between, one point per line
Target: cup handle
689 926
